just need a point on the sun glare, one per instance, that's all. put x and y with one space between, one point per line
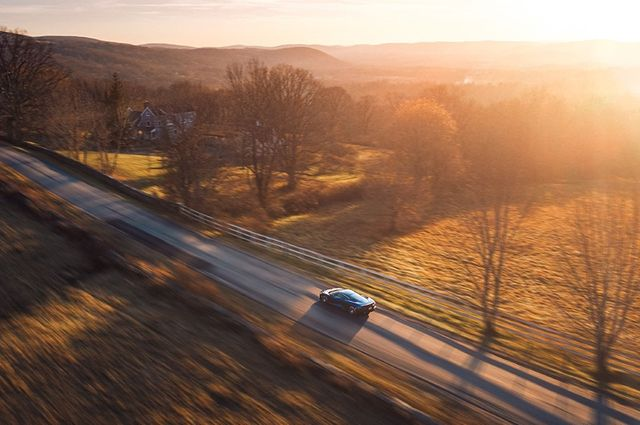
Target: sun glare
584 20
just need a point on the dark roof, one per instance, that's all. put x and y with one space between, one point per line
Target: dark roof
133 116
157 111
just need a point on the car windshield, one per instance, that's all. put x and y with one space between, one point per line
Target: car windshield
352 296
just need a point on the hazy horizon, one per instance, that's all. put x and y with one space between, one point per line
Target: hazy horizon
273 23
284 45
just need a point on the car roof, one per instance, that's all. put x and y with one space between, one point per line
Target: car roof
342 291
332 290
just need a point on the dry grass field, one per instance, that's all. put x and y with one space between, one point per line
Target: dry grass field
429 249
82 341
431 252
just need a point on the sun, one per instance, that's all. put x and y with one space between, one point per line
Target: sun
584 20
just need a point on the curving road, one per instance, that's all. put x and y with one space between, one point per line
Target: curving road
515 393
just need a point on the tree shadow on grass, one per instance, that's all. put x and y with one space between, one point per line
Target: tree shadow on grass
363 225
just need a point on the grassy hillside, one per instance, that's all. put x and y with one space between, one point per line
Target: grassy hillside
82 340
93 329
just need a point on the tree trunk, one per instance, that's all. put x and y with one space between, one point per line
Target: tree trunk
10 129
292 176
262 196
14 132
292 180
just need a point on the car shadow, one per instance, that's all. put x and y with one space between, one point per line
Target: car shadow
332 321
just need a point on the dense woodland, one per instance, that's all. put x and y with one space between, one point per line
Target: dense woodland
485 147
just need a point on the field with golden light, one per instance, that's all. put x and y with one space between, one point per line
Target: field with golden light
432 248
429 247
432 241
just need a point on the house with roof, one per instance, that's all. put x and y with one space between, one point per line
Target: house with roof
152 123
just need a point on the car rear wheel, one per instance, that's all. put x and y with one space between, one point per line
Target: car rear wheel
352 310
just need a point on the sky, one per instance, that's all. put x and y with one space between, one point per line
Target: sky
345 22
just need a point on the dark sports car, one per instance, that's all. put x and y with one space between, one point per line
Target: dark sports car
348 300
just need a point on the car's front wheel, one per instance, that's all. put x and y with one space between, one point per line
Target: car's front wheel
323 298
352 310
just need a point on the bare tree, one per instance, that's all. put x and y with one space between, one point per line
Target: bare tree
28 76
393 184
186 96
333 105
492 226
254 114
277 111
363 114
422 134
601 269
296 93
109 121
69 120
190 165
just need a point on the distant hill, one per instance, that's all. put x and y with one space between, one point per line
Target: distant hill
491 54
450 62
161 65
166 46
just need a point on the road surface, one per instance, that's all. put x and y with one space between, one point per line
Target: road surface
516 393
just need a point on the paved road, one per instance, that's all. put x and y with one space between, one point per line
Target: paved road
520 394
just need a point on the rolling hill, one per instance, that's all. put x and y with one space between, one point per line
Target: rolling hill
490 54
161 65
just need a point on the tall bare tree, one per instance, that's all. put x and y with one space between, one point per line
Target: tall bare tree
70 121
109 121
601 269
253 104
333 106
276 110
364 111
422 134
295 93
28 76
184 96
391 183
190 165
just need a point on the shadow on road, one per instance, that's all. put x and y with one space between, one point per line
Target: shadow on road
599 412
479 355
332 321
505 394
